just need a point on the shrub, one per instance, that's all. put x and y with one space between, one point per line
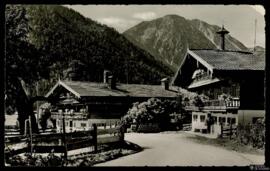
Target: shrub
152 111
252 134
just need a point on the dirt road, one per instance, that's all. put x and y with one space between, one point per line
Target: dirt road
175 149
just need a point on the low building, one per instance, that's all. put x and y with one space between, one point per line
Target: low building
233 80
85 103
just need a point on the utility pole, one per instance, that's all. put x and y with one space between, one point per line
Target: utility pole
255 35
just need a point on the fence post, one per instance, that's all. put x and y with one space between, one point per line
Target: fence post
94 134
221 128
122 134
30 135
64 137
230 129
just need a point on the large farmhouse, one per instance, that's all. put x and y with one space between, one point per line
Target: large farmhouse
84 103
233 80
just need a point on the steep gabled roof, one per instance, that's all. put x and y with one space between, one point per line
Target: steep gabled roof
230 60
84 89
222 60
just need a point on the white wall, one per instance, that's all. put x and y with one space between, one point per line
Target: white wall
216 127
245 116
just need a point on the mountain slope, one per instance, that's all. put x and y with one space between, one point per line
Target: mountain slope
210 32
65 36
167 38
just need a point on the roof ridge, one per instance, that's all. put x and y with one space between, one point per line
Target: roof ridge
239 51
119 83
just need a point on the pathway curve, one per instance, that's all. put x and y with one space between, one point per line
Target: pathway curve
175 149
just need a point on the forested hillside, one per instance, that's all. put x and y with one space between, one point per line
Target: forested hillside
65 37
44 43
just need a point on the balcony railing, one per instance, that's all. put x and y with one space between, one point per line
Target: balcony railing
74 115
220 105
201 76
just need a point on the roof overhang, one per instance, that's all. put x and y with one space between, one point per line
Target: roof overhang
196 57
60 83
203 83
203 62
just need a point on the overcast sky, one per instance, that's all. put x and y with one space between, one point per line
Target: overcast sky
238 19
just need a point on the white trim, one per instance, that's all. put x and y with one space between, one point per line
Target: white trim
69 89
203 62
203 82
51 91
65 86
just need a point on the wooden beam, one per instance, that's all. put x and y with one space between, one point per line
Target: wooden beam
203 62
69 89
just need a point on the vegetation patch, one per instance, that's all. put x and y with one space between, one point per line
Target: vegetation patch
80 160
228 144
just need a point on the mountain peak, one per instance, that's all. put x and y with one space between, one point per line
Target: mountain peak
172 16
167 38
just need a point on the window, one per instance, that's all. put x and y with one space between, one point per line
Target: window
195 117
74 124
233 121
228 120
83 124
202 118
221 119
223 90
254 119
70 123
233 91
238 91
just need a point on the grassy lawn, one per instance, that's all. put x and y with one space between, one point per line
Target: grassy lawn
227 144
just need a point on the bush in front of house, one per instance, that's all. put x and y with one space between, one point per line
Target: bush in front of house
152 115
252 134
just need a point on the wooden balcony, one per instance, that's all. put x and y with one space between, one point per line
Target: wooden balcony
216 105
74 115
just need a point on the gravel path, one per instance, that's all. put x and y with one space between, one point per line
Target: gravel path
175 149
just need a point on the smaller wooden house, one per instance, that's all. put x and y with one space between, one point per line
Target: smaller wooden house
85 103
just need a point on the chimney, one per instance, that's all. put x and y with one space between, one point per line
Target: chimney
222 33
111 82
106 74
165 83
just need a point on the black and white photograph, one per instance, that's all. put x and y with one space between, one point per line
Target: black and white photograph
112 85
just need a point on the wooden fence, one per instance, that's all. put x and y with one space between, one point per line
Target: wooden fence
228 131
62 143
187 127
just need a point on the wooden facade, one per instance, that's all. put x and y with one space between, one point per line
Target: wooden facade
239 76
85 103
